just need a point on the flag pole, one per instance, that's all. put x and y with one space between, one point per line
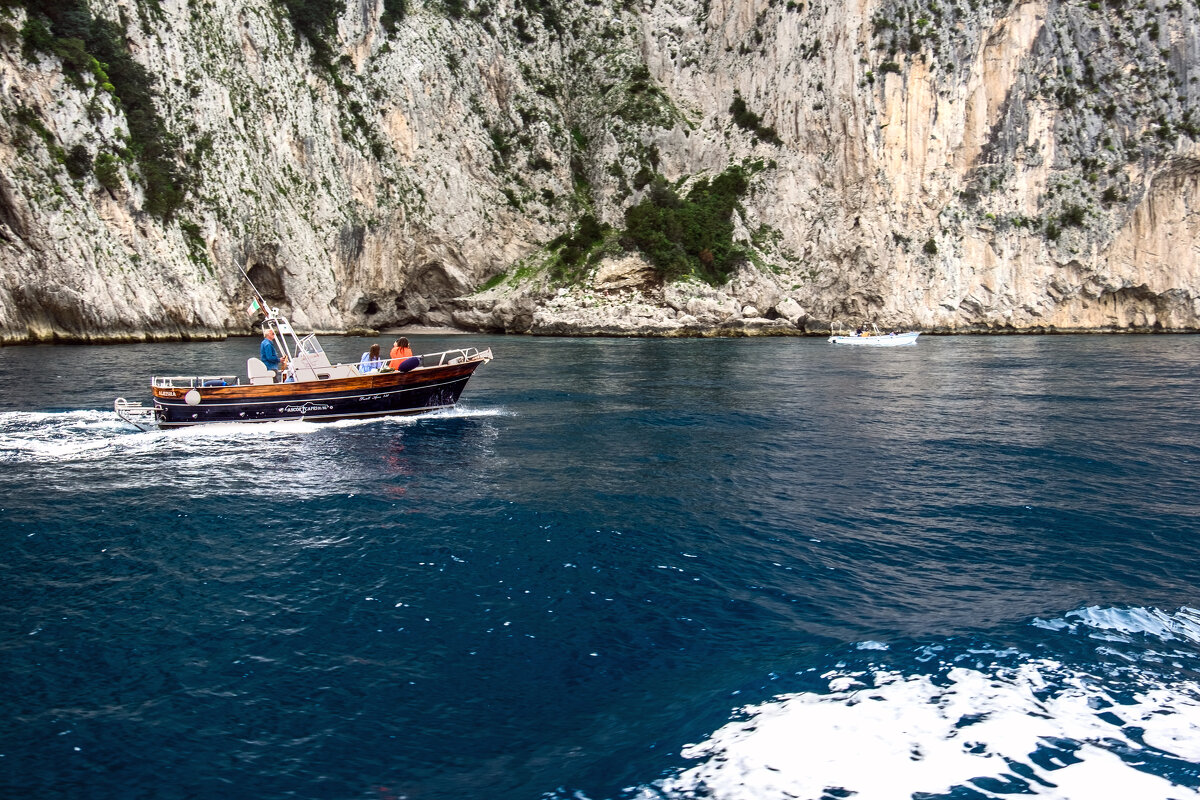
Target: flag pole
270 315
262 301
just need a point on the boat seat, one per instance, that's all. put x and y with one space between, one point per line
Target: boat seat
258 373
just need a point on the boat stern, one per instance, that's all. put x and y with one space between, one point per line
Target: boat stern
141 417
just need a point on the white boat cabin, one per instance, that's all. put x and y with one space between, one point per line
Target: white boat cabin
307 363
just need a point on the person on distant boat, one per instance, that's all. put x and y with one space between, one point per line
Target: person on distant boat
400 351
370 361
268 353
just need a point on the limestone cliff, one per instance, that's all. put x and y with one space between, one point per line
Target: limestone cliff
952 166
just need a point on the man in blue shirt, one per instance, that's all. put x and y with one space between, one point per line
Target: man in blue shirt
268 353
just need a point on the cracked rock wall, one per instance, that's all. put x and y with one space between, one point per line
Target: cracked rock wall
951 166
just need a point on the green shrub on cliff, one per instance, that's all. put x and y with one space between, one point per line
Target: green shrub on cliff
197 246
690 235
108 171
35 38
1073 215
78 162
749 121
639 100
315 20
575 247
393 12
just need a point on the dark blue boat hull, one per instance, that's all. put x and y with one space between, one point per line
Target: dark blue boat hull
368 396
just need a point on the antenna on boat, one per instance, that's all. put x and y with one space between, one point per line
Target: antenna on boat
262 301
272 319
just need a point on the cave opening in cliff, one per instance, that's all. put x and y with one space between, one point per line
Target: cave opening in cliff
268 282
429 287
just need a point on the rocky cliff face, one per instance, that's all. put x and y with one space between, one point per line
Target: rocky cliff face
952 166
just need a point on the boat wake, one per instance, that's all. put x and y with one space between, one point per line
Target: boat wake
982 724
83 434
54 436
458 412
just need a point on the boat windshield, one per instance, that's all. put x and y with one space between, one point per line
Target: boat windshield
310 346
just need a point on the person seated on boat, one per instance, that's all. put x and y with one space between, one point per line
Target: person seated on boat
370 361
268 353
400 351
858 331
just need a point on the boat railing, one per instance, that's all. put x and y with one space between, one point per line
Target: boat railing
141 417
455 356
193 381
443 358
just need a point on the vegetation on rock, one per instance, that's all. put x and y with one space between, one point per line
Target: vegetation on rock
749 121
315 20
690 235
393 12
573 248
1111 70
94 48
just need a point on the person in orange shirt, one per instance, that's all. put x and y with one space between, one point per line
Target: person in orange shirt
400 351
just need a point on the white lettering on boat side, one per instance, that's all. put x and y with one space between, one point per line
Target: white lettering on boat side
306 408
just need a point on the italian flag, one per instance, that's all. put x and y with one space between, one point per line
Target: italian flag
254 306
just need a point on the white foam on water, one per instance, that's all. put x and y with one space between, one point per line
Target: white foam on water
243 430
36 436
83 435
304 427
1126 622
1041 729
909 735
54 436
460 412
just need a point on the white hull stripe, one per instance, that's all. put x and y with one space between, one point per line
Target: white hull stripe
307 417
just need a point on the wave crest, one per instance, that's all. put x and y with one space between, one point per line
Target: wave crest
1018 725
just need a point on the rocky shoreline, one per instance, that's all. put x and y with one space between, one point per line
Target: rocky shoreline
623 298
648 310
640 327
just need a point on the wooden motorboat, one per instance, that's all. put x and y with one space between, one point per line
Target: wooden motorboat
309 388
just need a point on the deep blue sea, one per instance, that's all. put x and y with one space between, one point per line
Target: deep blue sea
634 569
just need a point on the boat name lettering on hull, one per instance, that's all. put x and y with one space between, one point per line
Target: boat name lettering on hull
306 408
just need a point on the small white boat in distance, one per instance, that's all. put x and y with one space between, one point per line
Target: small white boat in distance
875 338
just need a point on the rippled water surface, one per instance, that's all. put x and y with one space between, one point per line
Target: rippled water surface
620 569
